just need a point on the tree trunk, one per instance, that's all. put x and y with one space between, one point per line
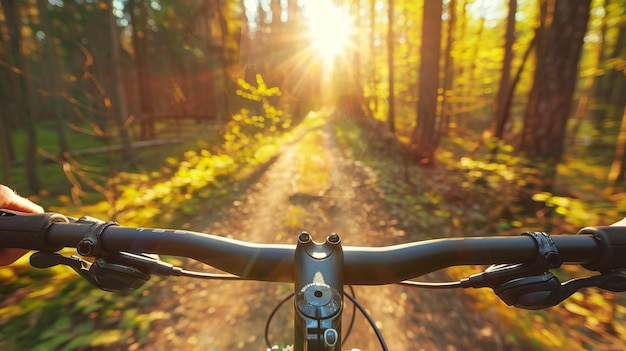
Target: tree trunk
5 145
223 56
618 167
373 83
617 96
502 111
448 71
424 137
390 40
469 88
590 86
120 106
559 42
139 37
20 61
55 85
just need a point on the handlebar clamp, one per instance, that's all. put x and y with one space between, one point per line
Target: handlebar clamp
548 254
91 244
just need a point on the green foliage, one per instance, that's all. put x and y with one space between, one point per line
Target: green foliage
54 309
158 197
463 196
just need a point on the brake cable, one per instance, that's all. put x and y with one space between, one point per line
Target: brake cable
531 285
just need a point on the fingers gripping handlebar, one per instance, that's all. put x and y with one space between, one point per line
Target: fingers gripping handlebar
28 231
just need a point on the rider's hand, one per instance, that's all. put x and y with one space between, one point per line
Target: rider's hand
9 200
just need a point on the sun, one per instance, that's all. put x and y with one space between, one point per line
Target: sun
330 27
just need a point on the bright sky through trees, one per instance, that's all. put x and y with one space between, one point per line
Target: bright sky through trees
329 27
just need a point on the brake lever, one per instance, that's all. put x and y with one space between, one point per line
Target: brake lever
105 275
611 281
44 259
545 291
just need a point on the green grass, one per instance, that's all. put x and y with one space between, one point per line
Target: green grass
99 167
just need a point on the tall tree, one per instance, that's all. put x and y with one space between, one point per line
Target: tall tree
139 21
470 85
373 81
223 56
560 35
425 136
618 166
120 105
54 80
390 41
448 70
502 111
21 64
7 114
617 101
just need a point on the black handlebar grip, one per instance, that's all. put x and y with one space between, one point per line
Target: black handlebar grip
612 241
27 230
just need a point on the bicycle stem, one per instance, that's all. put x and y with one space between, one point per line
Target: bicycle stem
318 293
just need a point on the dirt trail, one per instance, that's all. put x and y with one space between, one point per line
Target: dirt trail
218 315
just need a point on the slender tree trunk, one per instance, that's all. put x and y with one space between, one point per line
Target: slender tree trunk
20 61
425 134
590 81
617 96
502 111
9 108
139 38
469 89
390 41
224 59
448 71
120 109
361 104
460 87
5 143
54 86
618 167
373 72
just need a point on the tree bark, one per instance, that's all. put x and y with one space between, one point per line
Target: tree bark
390 41
55 86
559 40
139 37
559 43
448 70
502 111
424 137
618 166
5 146
120 105
223 56
20 61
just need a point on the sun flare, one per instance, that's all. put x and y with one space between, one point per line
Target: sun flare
330 27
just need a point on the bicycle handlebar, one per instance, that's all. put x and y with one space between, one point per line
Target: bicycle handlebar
603 250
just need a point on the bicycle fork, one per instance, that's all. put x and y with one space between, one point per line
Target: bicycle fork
318 293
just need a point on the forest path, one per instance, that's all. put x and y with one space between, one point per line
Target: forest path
316 186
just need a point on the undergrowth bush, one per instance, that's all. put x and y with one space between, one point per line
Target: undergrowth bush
54 309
